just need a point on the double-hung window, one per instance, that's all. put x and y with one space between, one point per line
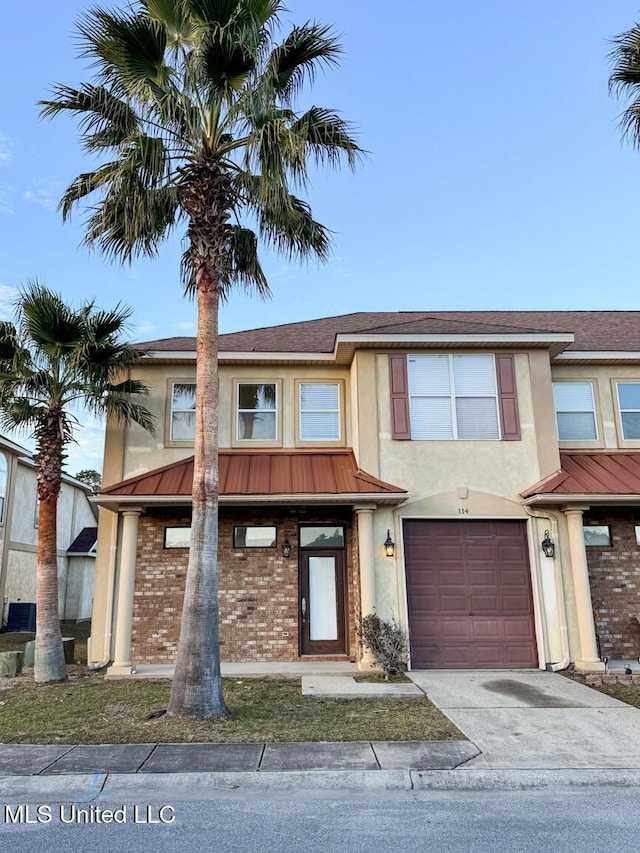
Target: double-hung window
319 411
257 411
629 406
183 411
453 397
575 411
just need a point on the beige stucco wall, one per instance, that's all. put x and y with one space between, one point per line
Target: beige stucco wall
445 479
467 480
134 451
604 378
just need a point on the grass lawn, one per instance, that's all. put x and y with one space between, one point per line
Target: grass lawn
87 709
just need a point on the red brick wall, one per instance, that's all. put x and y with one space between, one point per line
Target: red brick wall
258 588
615 583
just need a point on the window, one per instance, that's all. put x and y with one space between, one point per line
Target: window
257 404
453 397
575 411
319 411
177 537
183 411
254 537
322 537
597 535
4 477
629 404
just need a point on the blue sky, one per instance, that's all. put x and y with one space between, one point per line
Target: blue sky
496 177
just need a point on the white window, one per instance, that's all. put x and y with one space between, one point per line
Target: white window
575 411
257 407
453 397
4 477
319 411
629 405
183 411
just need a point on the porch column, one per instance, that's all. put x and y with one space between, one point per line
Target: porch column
367 573
124 612
588 660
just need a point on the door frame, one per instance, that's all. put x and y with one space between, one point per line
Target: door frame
308 647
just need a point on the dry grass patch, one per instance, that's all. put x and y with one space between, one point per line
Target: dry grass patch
629 693
89 710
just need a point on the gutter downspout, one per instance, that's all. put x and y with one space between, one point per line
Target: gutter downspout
562 610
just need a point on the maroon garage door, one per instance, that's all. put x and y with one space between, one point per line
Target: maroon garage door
469 595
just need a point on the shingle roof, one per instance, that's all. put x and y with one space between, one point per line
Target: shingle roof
593 330
84 541
585 472
263 472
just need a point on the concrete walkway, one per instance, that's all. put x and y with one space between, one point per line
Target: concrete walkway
535 720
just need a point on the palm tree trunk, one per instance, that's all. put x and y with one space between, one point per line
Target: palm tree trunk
197 684
49 662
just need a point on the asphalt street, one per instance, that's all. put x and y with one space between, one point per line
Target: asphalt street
453 822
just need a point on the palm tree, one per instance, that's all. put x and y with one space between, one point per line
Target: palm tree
192 107
624 81
52 360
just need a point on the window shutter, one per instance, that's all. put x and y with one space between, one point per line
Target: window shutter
508 398
400 424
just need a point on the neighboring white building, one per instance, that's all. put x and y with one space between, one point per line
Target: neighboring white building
19 536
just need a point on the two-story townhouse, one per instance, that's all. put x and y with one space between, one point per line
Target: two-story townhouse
77 534
421 465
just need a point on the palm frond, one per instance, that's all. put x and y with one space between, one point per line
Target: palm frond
47 322
293 231
128 49
243 263
297 59
174 15
328 137
126 224
125 411
104 117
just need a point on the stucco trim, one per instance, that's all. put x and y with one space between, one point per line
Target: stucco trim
116 502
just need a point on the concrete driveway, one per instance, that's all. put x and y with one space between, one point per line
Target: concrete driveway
529 719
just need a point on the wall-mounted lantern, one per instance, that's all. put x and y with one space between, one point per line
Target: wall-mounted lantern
548 548
286 547
389 545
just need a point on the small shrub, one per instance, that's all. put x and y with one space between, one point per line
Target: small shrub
387 642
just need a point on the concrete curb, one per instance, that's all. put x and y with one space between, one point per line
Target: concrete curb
469 779
118 787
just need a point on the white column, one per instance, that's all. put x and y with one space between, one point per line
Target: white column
588 660
124 612
367 572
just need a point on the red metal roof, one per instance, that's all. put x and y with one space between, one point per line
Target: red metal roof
584 472
263 472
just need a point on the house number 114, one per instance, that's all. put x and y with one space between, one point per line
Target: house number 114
463 510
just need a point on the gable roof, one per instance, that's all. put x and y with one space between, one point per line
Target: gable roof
261 476
588 475
594 331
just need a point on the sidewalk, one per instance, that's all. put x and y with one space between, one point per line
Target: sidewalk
525 729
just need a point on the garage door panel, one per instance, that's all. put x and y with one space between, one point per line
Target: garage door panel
510 577
469 594
485 604
485 629
519 604
453 603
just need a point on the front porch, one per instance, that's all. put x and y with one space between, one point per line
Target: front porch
295 566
